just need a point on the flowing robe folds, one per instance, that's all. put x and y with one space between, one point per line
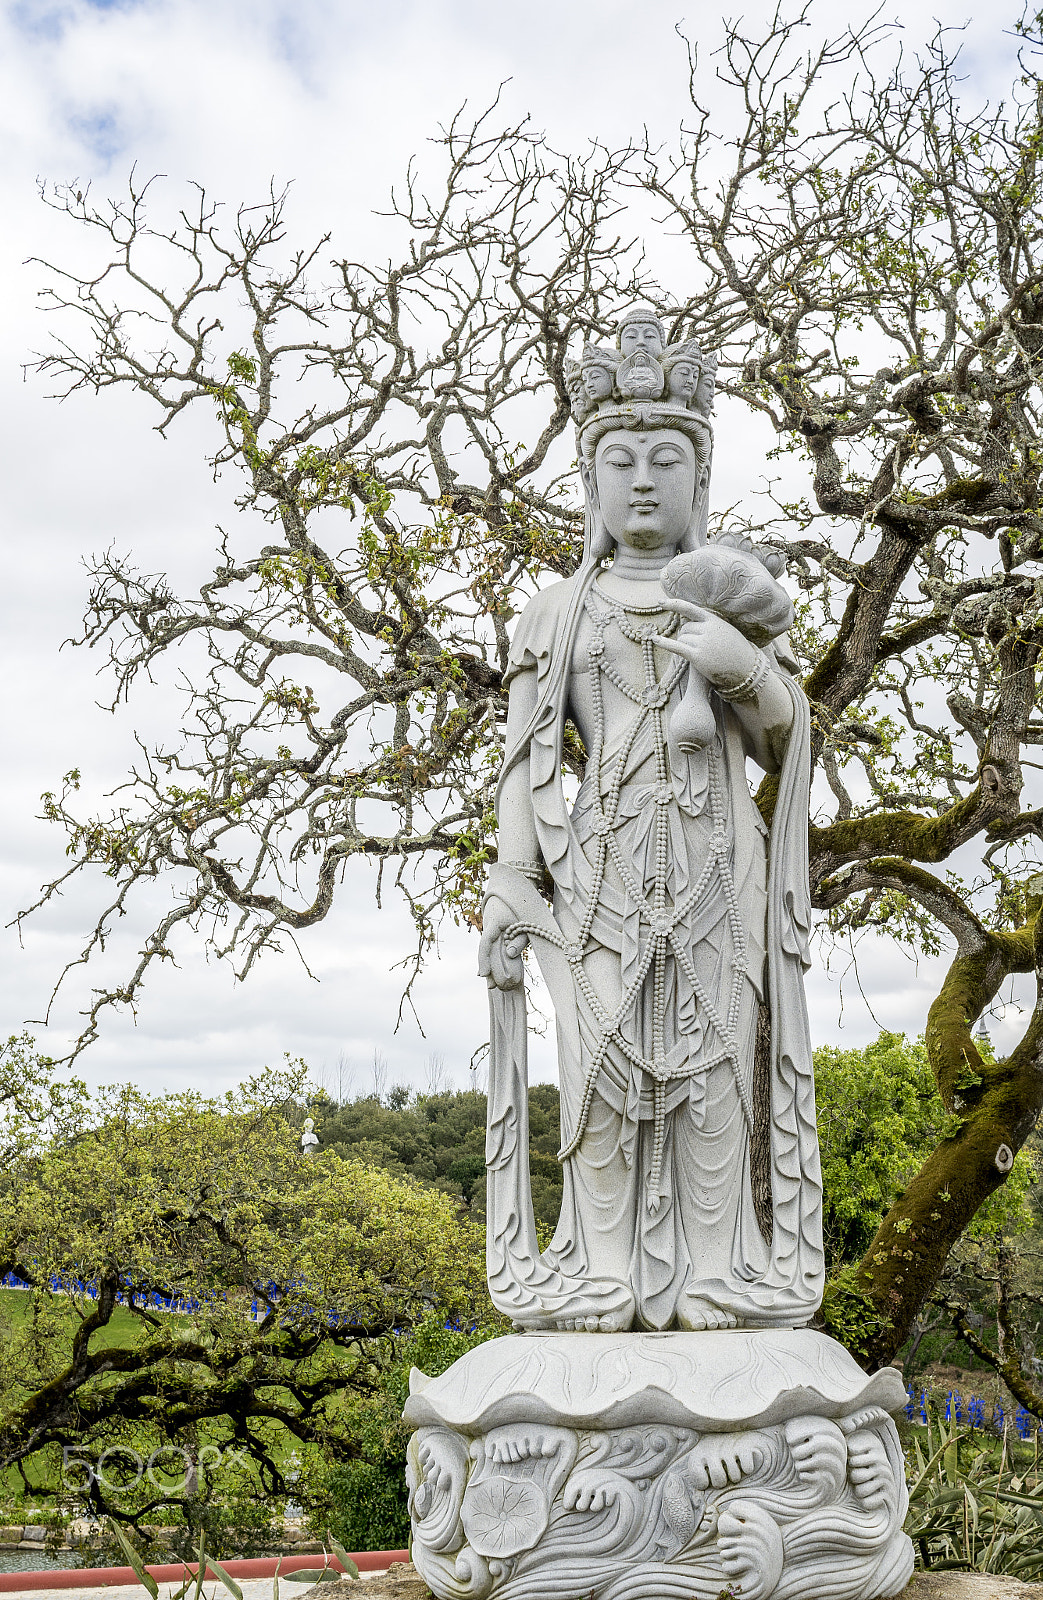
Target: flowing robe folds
659 1184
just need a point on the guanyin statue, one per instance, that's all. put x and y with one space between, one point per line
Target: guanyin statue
665 1424
675 942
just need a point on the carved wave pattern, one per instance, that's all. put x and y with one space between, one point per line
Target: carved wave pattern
808 1508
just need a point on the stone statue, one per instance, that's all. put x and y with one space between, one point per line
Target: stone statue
665 1421
678 929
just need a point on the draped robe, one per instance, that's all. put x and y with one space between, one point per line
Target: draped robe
661 1199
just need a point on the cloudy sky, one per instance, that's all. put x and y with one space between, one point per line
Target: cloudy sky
335 95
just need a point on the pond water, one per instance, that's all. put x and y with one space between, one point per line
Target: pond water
37 1561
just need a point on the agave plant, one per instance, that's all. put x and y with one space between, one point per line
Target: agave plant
967 1511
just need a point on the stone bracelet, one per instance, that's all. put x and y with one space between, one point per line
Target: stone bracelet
751 685
529 869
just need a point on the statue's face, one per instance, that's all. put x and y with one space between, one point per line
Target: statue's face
640 336
646 486
574 388
598 382
682 379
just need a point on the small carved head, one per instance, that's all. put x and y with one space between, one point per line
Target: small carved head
683 366
598 369
640 329
580 402
707 384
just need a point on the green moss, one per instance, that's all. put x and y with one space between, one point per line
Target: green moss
903 834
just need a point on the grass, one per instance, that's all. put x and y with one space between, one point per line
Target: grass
122 1328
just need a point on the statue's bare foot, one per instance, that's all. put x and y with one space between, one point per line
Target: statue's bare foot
696 1313
525 1441
726 1458
596 1308
750 1545
819 1452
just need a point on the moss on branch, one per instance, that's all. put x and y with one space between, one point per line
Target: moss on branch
993 1106
902 833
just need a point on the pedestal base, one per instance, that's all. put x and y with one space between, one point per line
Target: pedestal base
658 1466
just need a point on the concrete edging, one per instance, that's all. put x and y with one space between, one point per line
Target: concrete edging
177 1571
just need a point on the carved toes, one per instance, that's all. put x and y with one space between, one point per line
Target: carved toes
697 1314
870 1471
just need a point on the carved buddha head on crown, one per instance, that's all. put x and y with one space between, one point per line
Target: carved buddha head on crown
640 329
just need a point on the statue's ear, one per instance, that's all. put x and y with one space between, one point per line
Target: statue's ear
695 534
589 482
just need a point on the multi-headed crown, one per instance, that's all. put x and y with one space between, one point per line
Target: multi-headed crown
643 382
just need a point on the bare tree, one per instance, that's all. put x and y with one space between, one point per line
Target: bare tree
349 707
478 1069
336 1079
380 1075
865 262
436 1078
345 1078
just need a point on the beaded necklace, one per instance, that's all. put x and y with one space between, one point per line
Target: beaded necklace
665 930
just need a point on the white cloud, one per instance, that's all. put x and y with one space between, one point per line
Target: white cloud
336 97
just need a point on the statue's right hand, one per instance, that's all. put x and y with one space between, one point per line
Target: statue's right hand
500 958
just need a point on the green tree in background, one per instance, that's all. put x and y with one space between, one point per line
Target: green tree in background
294 1282
879 1117
364 1502
440 1139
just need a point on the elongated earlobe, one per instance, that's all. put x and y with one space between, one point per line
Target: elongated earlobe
696 532
597 544
590 488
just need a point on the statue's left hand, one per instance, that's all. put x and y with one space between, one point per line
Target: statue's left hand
714 647
499 957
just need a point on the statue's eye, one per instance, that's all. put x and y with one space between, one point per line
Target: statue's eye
619 458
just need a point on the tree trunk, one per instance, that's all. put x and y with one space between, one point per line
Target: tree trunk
993 1106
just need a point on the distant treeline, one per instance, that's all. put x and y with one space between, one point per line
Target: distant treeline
440 1138
879 1117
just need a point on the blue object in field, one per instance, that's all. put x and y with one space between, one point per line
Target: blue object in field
972 1413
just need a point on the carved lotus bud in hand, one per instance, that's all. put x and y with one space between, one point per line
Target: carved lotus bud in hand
735 584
